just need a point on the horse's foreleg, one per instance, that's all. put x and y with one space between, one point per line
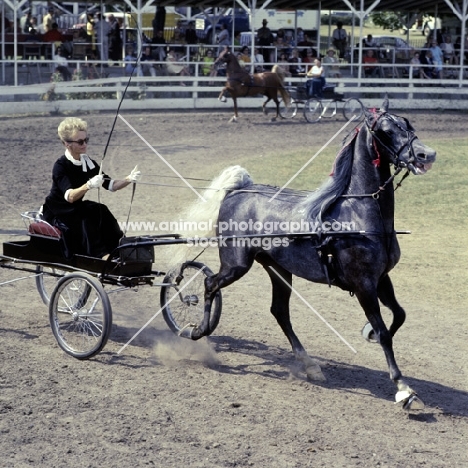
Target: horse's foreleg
222 96
281 281
234 117
386 295
370 303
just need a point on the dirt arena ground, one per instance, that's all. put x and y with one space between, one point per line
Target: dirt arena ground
237 398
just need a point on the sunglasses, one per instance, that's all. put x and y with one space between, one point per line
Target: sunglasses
80 142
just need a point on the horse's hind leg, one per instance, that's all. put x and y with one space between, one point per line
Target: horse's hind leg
233 267
281 281
265 109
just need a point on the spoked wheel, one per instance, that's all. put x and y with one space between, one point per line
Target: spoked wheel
182 299
46 280
80 315
290 111
353 108
313 110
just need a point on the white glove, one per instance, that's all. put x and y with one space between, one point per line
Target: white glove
135 175
95 182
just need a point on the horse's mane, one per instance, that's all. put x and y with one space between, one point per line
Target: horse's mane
319 201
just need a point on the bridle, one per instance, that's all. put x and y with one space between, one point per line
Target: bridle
399 165
395 155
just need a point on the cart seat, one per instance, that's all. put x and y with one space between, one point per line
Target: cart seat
38 227
44 229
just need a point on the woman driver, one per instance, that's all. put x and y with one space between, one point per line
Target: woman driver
88 227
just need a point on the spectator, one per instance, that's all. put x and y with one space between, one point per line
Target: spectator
237 39
175 68
309 57
258 60
48 20
102 28
369 42
91 32
131 65
115 40
415 66
428 69
25 21
296 67
283 64
61 64
245 55
191 34
265 39
448 49
330 62
147 56
300 35
281 33
33 24
340 39
54 35
316 81
160 51
223 37
179 32
279 49
371 69
159 20
437 57
306 42
208 68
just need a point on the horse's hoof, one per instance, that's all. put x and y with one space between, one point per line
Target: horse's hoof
409 400
368 333
190 331
233 119
315 374
313 370
223 99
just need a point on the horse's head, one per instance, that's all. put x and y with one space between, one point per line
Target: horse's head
224 56
394 138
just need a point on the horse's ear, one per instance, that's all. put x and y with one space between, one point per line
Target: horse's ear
384 107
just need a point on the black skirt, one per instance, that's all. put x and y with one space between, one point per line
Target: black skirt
90 229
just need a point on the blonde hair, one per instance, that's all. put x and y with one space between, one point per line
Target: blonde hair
70 126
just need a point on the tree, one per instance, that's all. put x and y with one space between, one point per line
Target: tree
388 19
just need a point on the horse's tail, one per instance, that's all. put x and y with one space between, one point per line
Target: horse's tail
284 93
201 217
279 71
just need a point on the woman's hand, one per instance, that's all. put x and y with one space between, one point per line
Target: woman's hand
135 175
95 182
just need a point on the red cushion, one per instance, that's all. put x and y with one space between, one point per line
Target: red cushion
44 229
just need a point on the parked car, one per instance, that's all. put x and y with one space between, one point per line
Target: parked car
390 48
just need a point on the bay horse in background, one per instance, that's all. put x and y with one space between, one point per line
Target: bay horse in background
240 83
359 194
